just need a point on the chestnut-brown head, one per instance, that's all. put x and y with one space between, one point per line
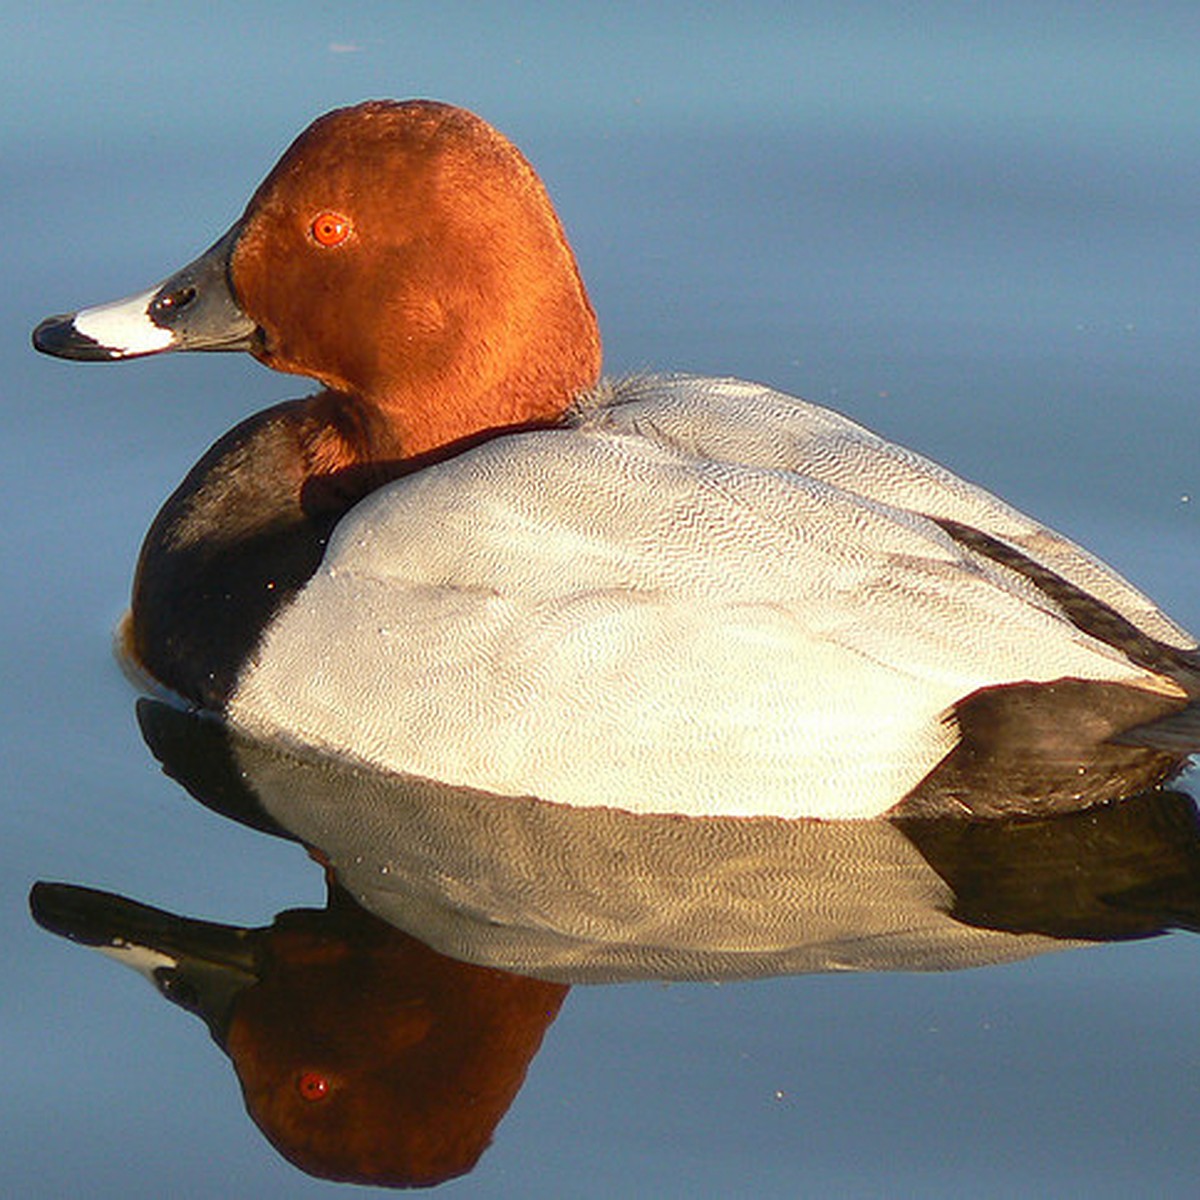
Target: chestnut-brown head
406 256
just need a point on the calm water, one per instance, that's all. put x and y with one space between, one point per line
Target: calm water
977 234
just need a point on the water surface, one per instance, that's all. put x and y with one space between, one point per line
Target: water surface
976 233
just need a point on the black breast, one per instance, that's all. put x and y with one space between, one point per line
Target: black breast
233 544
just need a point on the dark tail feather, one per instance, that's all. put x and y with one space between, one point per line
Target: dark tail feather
1177 733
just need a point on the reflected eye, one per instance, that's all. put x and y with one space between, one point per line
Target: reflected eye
331 229
312 1085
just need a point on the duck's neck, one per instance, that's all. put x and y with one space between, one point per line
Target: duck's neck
392 437
454 395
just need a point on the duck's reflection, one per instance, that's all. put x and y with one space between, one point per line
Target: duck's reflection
382 1038
362 1054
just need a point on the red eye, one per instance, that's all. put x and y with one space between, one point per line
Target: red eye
331 229
312 1085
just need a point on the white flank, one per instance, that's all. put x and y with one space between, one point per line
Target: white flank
124 327
707 598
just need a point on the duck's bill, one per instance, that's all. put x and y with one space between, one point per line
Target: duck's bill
195 309
199 965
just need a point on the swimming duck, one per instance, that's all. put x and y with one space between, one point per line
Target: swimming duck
469 558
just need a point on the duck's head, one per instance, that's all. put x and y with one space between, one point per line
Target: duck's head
363 1055
403 254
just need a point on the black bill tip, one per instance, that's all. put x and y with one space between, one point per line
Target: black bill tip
59 337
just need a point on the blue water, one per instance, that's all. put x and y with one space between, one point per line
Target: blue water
975 232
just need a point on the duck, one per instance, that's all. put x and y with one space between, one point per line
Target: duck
469 557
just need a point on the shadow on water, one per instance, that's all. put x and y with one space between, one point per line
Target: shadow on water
382 1038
